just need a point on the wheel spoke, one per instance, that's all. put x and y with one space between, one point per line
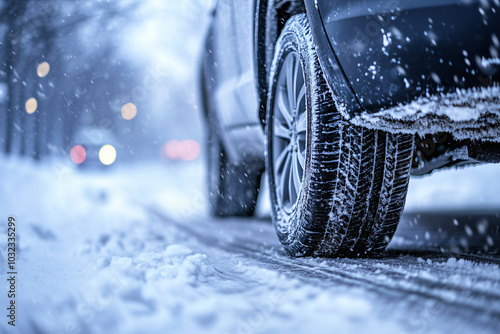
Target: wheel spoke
301 95
296 72
301 159
284 177
302 123
296 175
290 83
291 183
284 109
281 131
282 158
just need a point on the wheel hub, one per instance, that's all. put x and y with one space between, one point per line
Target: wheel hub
289 131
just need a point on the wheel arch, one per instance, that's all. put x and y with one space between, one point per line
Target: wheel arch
271 16
270 19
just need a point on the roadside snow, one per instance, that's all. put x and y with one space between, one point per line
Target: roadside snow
472 187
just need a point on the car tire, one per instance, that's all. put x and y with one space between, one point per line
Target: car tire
336 189
232 187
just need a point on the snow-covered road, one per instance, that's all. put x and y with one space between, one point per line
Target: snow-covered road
133 251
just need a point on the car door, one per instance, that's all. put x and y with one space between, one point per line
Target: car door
245 87
235 93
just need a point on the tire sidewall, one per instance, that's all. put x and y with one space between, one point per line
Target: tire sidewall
293 228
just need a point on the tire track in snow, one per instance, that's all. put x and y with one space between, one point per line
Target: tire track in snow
399 276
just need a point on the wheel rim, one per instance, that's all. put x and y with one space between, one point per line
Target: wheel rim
289 132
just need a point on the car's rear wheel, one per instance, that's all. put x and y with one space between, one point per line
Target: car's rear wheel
336 189
233 187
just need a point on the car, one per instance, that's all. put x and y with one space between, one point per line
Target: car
93 147
340 102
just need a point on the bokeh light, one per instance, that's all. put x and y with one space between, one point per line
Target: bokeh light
43 69
129 111
107 154
172 149
186 150
31 105
78 154
190 150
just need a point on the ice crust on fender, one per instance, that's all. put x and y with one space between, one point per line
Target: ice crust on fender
465 113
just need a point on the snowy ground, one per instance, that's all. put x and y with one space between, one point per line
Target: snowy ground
132 250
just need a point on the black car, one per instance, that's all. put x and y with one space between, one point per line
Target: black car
341 101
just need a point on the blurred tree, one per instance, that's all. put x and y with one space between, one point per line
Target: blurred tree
12 12
77 40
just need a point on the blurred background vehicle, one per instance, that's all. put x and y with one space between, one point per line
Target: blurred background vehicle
93 147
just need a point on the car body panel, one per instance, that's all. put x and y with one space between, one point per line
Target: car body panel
230 72
396 51
235 90
347 102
